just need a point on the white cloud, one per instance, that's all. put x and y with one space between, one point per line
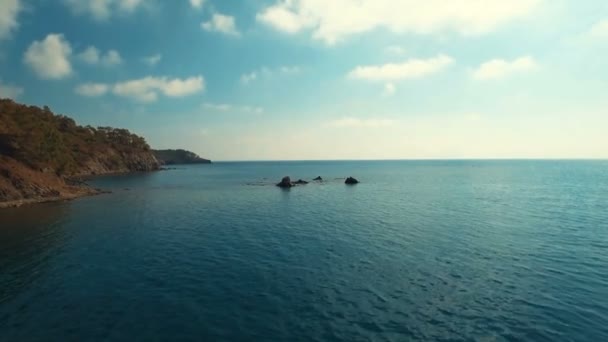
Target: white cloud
282 17
197 3
600 29
153 60
129 5
350 122
389 89
90 55
500 68
10 91
111 58
221 23
413 68
50 58
147 89
268 72
331 21
8 17
223 107
99 9
103 9
94 57
92 89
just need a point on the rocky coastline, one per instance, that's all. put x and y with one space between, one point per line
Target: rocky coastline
64 196
44 156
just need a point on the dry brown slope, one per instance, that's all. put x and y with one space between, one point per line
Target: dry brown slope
41 151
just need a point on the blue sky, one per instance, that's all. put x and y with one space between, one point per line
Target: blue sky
318 79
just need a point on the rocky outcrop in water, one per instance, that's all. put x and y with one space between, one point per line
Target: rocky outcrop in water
351 181
285 183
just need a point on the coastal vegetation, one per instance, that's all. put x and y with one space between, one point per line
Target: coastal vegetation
174 157
41 153
55 144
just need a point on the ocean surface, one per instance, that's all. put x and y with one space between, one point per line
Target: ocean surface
419 251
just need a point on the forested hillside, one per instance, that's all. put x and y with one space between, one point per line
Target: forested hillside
40 150
173 157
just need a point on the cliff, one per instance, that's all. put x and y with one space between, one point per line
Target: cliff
173 157
40 152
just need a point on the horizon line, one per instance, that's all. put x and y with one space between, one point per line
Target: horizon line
413 159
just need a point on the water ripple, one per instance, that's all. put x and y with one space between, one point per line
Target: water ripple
458 251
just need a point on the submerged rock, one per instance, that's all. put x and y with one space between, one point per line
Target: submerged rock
285 182
351 181
300 182
319 179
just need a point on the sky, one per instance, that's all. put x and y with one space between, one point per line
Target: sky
321 79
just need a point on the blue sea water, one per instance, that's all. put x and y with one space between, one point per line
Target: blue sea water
419 251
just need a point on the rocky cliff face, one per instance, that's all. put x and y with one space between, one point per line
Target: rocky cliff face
112 161
20 184
41 151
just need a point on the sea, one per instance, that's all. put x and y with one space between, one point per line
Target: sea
454 250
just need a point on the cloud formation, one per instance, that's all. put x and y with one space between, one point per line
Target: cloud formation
103 9
332 21
8 17
221 23
269 72
223 107
409 69
93 56
92 89
153 60
500 68
50 58
147 89
197 3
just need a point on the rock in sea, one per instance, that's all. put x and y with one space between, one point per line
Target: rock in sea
300 182
285 182
318 179
351 181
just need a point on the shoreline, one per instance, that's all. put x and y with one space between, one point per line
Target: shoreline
82 179
79 187
85 192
